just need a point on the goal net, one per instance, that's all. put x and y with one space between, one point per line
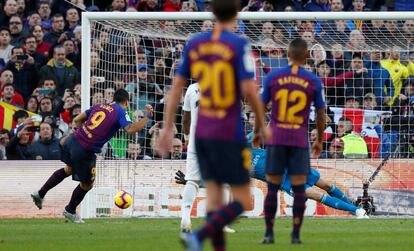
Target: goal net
366 66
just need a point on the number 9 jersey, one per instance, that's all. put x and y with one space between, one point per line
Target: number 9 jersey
219 61
104 120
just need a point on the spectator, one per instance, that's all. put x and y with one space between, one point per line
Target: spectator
356 42
24 71
336 59
134 152
72 20
335 150
398 74
408 29
30 46
148 5
4 140
45 107
207 26
267 31
32 105
352 102
358 5
97 98
354 145
10 9
361 83
370 101
317 5
71 53
46 147
267 6
42 46
381 79
61 70
172 5
6 77
177 150
16 31
7 95
32 20
18 147
57 34
5 46
118 5
44 10
69 102
108 95
21 8
49 90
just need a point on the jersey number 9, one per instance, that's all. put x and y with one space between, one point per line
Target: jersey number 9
96 120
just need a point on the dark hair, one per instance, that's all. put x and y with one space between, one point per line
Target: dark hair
56 16
298 49
225 10
20 114
16 48
5 29
7 84
28 37
27 101
121 96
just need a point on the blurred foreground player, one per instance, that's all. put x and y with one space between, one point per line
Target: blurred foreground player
96 126
291 91
222 63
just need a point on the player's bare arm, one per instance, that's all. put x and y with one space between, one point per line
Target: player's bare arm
173 98
186 122
320 126
249 90
80 119
137 126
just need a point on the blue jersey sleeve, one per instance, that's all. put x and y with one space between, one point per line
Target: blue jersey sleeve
124 119
266 89
319 101
183 69
246 63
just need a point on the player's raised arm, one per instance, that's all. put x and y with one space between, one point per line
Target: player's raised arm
133 128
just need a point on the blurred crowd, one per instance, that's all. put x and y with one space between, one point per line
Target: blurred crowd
364 66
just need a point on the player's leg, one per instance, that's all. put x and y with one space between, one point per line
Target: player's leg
77 196
332 190
226 200
190 191
275 167
299 201
330 201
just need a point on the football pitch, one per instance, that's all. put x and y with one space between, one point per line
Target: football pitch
162 234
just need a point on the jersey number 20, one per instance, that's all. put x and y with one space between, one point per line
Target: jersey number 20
218 78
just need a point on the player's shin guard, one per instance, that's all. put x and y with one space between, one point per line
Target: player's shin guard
337 193
189 195
217 240
337 203
298 208
270 207
77 197
219 219
57 177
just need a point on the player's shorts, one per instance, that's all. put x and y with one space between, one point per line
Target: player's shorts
223 161
311 180
83 162
192 169
294 159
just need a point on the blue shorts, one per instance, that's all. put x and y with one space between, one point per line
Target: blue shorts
311 180
223 161
83 162
294 159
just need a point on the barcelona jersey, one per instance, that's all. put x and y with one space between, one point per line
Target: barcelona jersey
104 120
291 90
219 61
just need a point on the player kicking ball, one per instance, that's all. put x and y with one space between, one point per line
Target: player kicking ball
96 126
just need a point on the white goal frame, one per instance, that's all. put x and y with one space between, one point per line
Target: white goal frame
87 17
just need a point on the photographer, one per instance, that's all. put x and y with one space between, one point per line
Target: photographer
47 146
18 147
24 71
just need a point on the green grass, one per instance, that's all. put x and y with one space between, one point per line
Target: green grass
162 234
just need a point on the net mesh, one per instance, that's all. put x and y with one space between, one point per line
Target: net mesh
365 67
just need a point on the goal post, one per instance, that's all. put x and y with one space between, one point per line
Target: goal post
139 51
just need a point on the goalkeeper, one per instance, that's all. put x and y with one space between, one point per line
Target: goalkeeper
334 199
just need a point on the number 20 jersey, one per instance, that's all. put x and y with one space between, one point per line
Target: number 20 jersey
291 90
104 120
218 61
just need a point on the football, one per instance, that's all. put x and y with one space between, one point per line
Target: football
123 199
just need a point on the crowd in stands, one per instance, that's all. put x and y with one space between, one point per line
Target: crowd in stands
364 66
